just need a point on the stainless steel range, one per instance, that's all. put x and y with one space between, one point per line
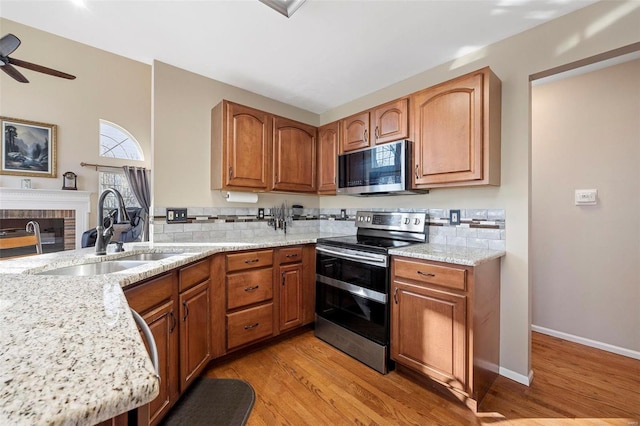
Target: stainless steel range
353 282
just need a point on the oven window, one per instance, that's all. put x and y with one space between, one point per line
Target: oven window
362 316
356 273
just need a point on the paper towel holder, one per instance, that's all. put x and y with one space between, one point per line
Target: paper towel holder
241 197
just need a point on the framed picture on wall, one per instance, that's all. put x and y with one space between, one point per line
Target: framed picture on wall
28 148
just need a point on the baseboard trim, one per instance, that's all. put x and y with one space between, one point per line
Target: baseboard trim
516 377
587 342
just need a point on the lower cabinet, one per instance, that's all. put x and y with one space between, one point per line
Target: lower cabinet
156 301
290 277
445 324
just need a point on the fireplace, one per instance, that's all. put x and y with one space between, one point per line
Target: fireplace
62 215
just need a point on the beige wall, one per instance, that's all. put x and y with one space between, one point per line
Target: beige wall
586 269
182 138
107 86
598 28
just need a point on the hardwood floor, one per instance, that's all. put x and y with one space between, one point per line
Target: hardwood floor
304 381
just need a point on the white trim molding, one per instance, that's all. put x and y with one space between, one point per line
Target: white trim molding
517 377
50 199
587 342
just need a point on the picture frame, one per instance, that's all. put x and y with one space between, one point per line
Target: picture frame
28 148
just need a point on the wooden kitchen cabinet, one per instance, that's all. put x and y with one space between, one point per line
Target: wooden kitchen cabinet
456 132
240 147
290 276
250 310
328 150
156 301
384 123
294 156
195 320
445 325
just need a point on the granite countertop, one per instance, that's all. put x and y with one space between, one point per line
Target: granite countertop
70 351
450 254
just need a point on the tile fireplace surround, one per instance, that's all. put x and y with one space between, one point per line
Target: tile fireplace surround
49 203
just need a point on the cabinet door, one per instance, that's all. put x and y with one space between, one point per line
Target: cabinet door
428 333
294 156
391 121
163 324
448 131
247 135
355 132
328 146
290 296
195 332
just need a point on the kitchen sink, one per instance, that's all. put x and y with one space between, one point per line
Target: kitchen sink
147 256
99 268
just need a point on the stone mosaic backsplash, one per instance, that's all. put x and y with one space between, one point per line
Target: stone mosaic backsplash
479 228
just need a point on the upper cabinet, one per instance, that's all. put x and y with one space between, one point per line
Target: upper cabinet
456 132
294 156
328 147
240 141
384 123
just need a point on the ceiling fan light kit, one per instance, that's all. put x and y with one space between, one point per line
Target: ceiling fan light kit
8 44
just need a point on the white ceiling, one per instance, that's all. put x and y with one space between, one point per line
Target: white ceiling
327 54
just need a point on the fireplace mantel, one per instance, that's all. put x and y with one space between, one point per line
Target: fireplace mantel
50 199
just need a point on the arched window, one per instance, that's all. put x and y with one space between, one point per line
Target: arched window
116 142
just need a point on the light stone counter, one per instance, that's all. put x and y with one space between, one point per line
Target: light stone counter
70 352
450 254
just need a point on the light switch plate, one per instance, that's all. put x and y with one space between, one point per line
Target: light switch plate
176 215
586 197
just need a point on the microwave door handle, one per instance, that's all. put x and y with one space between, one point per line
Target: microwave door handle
350 256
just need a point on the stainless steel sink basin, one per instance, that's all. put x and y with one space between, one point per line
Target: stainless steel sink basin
148 256
99 268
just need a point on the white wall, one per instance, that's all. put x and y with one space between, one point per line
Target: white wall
598 28
586 259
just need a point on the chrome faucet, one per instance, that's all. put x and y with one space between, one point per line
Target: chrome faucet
104 235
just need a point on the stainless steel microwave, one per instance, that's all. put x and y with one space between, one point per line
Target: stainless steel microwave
380 170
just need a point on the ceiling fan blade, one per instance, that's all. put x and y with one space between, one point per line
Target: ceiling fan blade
40 68
17 75
8 44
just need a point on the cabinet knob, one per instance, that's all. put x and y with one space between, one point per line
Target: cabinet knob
255 287
249 327
417 177
377 134
365 135
426 274
186 311
395 295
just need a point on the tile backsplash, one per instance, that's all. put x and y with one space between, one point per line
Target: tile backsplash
480 228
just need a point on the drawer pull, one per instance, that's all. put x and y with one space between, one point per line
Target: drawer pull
426 274
251 260
292 255
395 295
249 327
255 287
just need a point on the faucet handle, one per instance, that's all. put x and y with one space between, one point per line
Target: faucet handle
119 248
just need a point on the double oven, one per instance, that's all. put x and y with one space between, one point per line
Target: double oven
353 282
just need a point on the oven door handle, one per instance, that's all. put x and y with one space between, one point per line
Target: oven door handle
352 256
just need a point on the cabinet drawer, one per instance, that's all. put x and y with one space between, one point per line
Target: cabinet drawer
289 255
249 325
193 274
248 260
445 276
246 288
145 296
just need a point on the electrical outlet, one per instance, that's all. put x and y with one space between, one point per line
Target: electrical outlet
261 213
343 213
454 217
176 215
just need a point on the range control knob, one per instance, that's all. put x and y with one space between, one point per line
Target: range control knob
417 222
407 220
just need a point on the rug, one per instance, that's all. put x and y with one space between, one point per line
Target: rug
215 402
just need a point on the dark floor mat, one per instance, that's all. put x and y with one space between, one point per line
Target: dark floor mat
219 402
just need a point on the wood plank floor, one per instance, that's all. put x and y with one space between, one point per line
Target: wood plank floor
304 381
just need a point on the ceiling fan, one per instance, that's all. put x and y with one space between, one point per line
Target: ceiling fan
8 44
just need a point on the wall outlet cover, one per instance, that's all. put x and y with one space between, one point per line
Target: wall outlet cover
454 217
260 213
